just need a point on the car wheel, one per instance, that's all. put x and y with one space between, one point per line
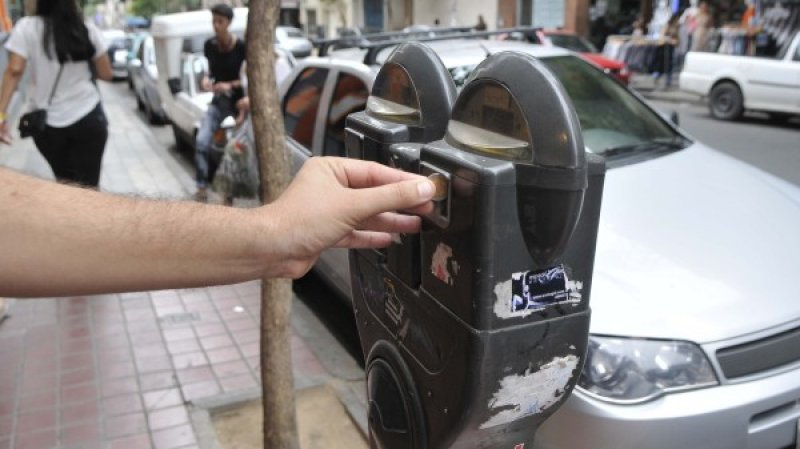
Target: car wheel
130 83
139 103
726 102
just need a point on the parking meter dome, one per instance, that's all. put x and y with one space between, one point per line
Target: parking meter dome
537 129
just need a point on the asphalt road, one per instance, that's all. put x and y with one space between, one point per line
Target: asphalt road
773 147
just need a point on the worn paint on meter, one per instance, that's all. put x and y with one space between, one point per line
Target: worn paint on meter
474 331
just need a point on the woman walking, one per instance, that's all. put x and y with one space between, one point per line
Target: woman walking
64 54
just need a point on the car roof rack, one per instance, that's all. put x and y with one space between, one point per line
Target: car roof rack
325 46
373 48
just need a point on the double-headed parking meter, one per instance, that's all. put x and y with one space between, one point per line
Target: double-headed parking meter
475 332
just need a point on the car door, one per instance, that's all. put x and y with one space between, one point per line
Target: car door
328 94
773 84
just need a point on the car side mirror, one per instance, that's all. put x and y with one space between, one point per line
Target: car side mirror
174 85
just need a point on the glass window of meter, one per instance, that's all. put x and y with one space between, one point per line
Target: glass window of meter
394 96
349 96
301 104
487 120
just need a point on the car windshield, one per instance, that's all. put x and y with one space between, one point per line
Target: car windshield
615 124
574 43
294 33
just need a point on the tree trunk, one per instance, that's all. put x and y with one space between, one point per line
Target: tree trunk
280 426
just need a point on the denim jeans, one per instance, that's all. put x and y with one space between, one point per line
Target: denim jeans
202 147
75 152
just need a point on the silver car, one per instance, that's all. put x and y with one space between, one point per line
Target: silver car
293 40
144 78
696 326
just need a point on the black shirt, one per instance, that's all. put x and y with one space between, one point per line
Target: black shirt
225 66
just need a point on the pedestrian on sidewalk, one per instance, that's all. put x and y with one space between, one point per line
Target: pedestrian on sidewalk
64 53
59 240
225 53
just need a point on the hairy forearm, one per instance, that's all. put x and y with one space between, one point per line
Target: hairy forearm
58 240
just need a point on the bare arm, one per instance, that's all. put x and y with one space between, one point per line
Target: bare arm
11 77
60 240
103 67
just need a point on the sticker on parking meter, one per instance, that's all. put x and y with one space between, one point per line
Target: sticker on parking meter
529 291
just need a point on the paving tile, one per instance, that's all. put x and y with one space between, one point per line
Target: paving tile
5 442
117 370
120 405
151 350
234 368
238 382
190 360
126 425
76 413
222 355
251 349
245 324
46 399
47 439
214 342
107 343
174 335
81 434
6 406
167 417
33 385
76 361
207 330
80 393
183 346
75 345
141 441
196 374
120 386
174 437
153 364
77 377
6 423
199 390
158 399
157 381
108 356
144 334
37 366
36 421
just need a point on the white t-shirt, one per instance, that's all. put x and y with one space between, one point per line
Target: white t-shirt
76 95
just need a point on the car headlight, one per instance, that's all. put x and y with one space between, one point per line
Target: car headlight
630 370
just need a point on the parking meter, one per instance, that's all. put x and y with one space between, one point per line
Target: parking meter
491 339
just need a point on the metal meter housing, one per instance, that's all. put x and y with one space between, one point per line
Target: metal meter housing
475 332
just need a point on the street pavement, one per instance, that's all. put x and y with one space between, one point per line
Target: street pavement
144 370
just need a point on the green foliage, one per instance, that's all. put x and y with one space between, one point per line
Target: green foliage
146 8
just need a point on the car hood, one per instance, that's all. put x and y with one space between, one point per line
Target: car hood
695 246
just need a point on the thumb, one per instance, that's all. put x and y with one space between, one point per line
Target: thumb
390 197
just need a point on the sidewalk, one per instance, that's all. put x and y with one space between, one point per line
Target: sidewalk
133 370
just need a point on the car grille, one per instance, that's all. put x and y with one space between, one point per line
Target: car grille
760 355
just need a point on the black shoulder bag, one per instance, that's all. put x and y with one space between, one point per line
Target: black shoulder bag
35 122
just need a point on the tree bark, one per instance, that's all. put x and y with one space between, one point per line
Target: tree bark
280 425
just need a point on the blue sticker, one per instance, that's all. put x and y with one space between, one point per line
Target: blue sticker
533 290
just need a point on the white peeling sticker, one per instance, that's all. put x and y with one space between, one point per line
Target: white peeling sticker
525 395
529 291
439 263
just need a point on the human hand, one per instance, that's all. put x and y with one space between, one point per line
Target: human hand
222 87
206 84
344 203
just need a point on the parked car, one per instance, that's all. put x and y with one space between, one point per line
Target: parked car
580 45
695 332
734 84
136 43
119 44
293 40
144 77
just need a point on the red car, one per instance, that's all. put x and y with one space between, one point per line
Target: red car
571 41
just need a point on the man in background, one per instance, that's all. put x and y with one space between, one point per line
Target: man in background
225 53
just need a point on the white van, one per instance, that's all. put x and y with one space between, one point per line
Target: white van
179 40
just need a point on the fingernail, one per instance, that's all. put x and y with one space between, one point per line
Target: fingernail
426 189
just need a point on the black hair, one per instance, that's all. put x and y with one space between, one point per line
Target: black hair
222 10
65 30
